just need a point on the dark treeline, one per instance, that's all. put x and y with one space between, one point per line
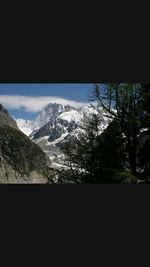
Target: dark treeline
121 154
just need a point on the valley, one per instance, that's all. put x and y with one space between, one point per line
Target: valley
57 124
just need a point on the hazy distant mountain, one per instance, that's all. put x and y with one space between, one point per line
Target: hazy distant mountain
50 112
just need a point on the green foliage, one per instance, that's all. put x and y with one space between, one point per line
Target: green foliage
95 158
124 103
111 152
144 158
107 157
124 177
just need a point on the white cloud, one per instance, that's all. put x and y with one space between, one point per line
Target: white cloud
35 104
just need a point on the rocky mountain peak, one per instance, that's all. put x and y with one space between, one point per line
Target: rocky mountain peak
58 124
51 113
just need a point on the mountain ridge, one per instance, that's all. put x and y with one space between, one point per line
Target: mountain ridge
21 160
63 124
5 118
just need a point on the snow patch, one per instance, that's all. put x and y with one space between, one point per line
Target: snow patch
70 116
26 126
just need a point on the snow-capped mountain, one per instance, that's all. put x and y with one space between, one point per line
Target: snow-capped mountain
56 124
65 122
50 113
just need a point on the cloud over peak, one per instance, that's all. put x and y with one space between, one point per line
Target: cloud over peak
35 104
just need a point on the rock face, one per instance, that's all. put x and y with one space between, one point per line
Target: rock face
64 123
55 129
5 118
58 124
50 112
21 160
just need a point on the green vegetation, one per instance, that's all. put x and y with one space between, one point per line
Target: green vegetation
121 154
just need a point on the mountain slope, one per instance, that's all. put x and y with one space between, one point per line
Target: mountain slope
26 126
5 118
64 124
50 112
68 121
57 124
21 160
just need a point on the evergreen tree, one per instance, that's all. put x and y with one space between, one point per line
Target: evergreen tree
144 146
121 153
122 102
146 104
146 97
81 155
97 158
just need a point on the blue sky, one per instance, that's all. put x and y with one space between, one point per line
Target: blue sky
25 100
